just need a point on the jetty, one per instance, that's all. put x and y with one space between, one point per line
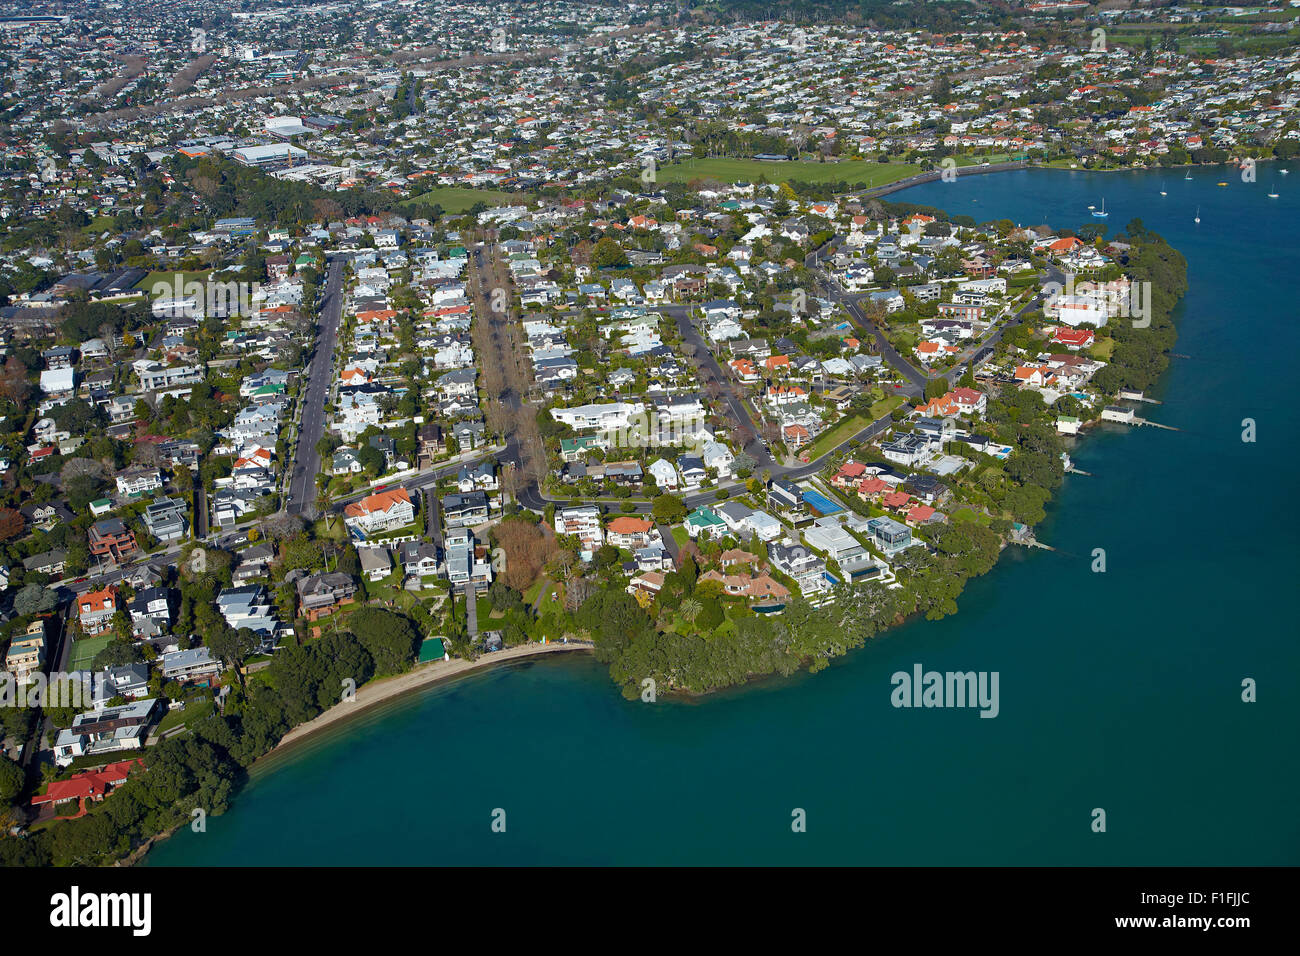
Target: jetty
1128 395
1021 534
1078 471
1151 424
1032 543
1126 416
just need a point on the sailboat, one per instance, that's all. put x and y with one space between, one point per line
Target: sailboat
1198 214
1272 191
1162 190
1101 213
1189 175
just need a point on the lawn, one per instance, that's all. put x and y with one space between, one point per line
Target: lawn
549 602
969 514
834 436
850 427
1102 348
534 589
459 199
194 710
84 650
979 160
853 171
154 278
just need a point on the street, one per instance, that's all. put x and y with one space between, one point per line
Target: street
320 374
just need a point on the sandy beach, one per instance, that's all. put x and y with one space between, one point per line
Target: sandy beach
378 691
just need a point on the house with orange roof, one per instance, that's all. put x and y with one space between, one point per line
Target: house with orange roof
777 363
627 531
795 435
380 512
1064 245
778 395
895 499
942 407
1033 375
961 401
381 316
744 370
95 610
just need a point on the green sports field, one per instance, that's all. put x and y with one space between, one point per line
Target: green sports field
851 171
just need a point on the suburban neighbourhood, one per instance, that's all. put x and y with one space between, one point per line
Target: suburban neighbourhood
331 353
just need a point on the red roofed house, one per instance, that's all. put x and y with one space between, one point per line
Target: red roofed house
629 532
744 370
89 785
920 514
870 487
1074 339
849 475
1068 244
96 609
380 512
795 435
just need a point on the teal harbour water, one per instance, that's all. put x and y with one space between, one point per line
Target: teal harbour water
1119 690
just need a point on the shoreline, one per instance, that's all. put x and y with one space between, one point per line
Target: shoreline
374 693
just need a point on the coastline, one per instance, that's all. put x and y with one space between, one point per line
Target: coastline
376 692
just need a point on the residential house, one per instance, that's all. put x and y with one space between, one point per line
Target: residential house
111 540
96 610
379 512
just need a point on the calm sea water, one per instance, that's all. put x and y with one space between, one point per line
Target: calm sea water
1118 691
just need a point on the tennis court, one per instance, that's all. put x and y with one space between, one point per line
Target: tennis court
85 650
819 503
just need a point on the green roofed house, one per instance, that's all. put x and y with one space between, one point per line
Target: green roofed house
101 506
432 650
269 390
704 521
457 252
571 449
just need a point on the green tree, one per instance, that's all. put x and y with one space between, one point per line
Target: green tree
668 508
